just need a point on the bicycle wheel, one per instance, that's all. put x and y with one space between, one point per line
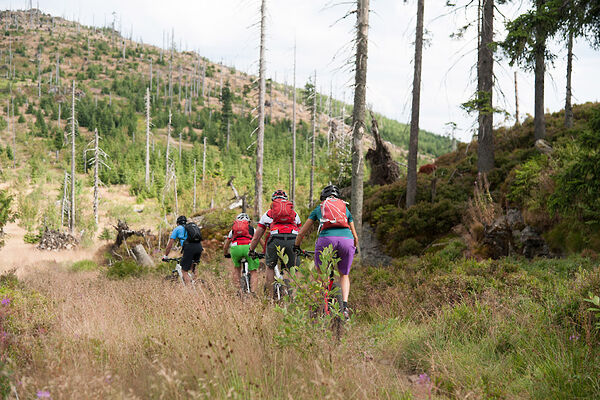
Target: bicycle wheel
336 302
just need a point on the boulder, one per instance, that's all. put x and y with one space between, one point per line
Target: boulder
532 244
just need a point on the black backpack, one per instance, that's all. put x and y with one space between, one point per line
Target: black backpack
193 233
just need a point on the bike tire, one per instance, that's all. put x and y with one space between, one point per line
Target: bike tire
338 322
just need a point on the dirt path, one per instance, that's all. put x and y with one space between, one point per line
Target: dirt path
27 258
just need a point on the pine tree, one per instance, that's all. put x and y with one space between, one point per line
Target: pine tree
413 147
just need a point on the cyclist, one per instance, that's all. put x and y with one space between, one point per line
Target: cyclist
336 228
190 239
237 246
283 224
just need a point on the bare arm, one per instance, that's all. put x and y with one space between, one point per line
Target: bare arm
353 229
258 233
226 246
169 246
303 231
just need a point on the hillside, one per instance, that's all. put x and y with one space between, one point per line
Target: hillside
207 100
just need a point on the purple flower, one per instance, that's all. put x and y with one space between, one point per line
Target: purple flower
574 337
424 379
43 394
5 301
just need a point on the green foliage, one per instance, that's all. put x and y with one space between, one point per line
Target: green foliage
32 238
84 265
125 269
6 214
595 301
577 176
106 234
303 326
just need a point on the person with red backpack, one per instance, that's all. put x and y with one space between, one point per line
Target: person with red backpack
336 229
237 246
283 224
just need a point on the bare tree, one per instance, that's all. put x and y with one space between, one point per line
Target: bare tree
168 146
517 120
204 159
568 105
147 138
97 160
293 185
314 134
358 113
194 205
413 147
261 114
73 121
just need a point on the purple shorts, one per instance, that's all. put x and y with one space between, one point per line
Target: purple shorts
344 248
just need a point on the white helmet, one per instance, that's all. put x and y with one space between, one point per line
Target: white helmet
243 217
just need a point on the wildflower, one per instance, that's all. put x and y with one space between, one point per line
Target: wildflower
574 337
43 394
424 379
5 301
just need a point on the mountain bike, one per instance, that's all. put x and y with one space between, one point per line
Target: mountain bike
177 273
281 286
245 282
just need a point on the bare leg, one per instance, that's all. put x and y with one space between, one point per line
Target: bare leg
345 284
253 279
186 277
236 276
270 280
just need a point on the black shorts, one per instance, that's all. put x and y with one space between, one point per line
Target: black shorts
191 255
285 241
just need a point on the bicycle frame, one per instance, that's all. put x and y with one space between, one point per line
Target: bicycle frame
245 274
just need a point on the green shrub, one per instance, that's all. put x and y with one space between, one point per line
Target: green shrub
84 265
32 238
125 269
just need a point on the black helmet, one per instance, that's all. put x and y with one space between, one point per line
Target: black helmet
181 220
329 191
279 194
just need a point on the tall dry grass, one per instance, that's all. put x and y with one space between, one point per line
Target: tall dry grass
146 338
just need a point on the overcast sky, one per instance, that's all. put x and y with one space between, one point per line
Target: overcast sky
227 30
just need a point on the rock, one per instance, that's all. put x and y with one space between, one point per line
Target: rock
498 238
138 208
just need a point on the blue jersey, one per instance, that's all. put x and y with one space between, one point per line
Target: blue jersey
179 233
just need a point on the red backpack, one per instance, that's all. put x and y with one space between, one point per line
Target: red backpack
333 214
240 229
283 215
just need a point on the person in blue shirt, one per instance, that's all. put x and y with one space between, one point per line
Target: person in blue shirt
191 250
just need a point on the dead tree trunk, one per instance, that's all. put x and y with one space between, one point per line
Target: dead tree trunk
358 114
261 114
413 147
204 159
168 145
141 256
293 179
568 105
540 71
312 144
147 177
72 220
517 120
194 204
384 170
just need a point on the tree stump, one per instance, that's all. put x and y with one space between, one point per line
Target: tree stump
142 257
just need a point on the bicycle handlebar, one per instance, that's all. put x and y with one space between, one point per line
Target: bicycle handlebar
171 259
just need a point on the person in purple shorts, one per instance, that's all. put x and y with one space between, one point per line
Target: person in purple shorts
336 228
